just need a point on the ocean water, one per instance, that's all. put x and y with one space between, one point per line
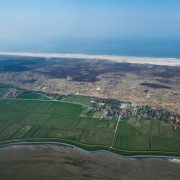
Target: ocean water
137 47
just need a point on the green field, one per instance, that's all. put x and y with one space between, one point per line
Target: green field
28 95
33 120
2 91
77 99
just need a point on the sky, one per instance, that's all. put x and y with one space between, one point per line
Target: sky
33 20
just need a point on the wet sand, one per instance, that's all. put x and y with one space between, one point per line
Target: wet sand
120 59
39 162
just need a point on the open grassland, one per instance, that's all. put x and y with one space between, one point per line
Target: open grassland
35 120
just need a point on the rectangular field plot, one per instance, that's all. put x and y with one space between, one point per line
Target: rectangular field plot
3 126
63 121
4 103
70 134
31 105
11 117
2 91
24 105
124 137
97 137
21 132
33 96
165 144
35 118
107 124
154 127
88 123
98 115
144 125
68 109
77 99
166 130
132 121
32 131
9 131
12 105
37 106
44 106
177 132
42 132
141 141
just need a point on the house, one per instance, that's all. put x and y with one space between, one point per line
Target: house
146 116
177 119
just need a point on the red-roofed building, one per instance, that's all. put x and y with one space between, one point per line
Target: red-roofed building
177 120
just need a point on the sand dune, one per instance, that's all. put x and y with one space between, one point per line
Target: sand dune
120 59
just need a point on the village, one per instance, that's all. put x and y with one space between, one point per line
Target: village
116 108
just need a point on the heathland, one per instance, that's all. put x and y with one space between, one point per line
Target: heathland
143 84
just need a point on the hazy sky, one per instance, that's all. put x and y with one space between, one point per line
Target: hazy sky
38 19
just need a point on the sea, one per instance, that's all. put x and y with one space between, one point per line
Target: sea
135 47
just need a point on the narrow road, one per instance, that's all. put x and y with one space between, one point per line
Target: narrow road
119 119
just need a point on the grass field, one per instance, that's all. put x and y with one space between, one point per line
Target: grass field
29 119
165 144
154 128
2 91
124 137
98 115
28 95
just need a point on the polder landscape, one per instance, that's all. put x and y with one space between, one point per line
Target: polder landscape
90 123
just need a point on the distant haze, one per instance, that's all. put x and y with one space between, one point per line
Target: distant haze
35 21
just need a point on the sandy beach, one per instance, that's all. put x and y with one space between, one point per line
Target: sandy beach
119 59
56 162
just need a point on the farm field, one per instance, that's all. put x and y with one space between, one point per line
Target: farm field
34 119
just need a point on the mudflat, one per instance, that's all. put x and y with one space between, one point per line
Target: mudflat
56 162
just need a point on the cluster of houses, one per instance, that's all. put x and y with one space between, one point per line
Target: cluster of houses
123 109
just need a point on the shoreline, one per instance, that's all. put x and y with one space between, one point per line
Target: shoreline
176 159
118 59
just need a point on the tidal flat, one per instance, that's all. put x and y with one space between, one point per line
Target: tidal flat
61 162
